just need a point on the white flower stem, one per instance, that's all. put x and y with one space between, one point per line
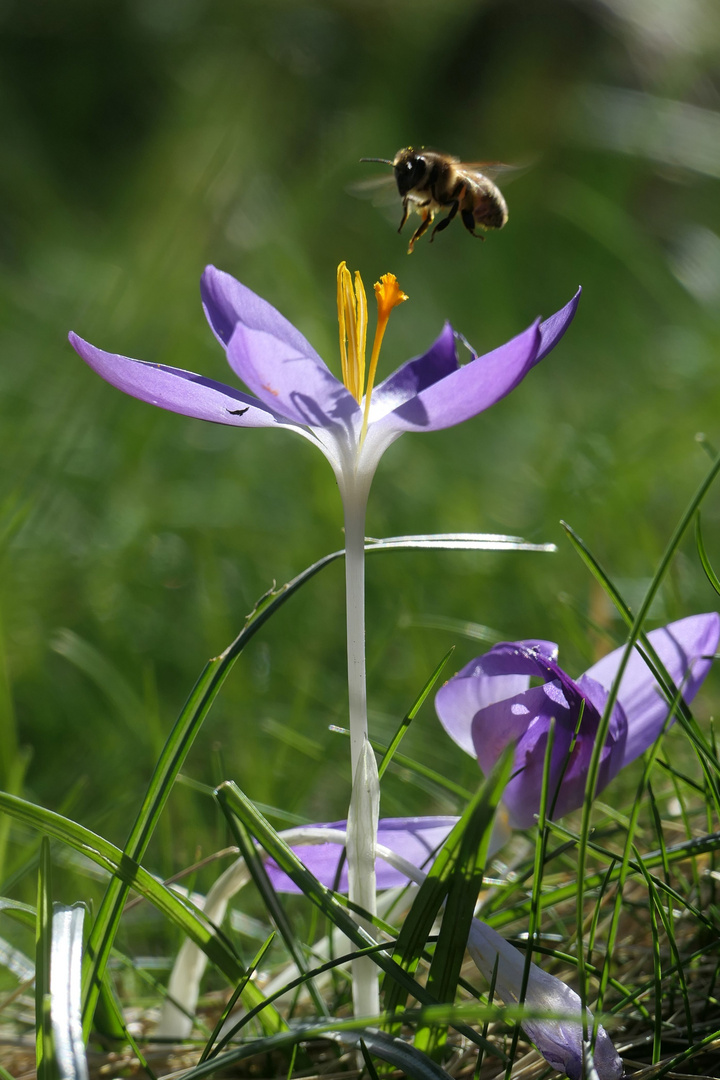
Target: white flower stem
362 827
364 808
354 506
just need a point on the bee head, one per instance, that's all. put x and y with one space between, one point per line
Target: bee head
410 168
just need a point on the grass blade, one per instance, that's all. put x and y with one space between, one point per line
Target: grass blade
412 713
65 991
704 560
44 1055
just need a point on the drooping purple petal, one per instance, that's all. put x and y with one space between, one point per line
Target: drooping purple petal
474 704
271 357
559 1041
680 645
469 390
439 361
526 721
415 839
552 329
499 675
457 702
177 390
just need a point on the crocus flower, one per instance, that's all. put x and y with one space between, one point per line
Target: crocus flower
352 422
490 703
291 387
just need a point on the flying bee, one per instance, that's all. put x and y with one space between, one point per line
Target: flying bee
429 181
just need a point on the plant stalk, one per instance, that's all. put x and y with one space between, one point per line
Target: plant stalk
364 803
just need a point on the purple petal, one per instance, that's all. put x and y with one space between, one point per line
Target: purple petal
468 390
679 646
553 328
177 390
526 721
271 356
457 702
559 1041
416 839
416 375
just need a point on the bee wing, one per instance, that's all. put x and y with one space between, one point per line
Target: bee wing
493 169
381 189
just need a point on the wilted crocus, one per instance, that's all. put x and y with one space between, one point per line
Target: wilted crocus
352 422
490 703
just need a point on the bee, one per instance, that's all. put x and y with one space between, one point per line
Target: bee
429 181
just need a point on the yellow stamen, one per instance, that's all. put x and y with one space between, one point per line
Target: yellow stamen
352 321
388 295
341 271
360 329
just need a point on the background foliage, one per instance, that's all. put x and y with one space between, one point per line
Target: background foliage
143 139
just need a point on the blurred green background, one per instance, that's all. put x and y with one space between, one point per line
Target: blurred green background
144 139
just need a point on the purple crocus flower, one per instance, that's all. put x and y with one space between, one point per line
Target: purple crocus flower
292 387
490 703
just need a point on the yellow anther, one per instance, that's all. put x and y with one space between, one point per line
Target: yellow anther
388 295
352 321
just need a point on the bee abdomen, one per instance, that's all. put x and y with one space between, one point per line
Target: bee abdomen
490 211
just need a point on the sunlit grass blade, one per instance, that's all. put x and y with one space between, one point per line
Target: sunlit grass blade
473 631
65 991
703 556
657 967
672 1066
412 713
457 542
44 1054
623 867
234 1032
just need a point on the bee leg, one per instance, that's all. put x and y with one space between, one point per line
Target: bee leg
445 221
427 217
406 211
469 222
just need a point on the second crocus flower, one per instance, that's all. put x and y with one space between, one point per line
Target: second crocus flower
490 703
